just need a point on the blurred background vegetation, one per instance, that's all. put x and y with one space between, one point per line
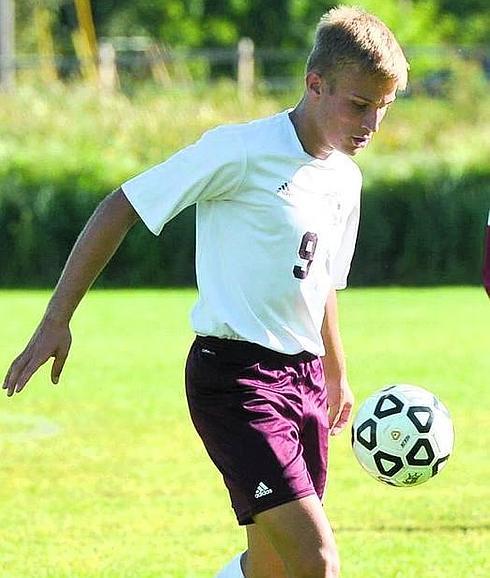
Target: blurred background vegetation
68 138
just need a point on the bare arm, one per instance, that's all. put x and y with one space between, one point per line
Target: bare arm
96 244
340 398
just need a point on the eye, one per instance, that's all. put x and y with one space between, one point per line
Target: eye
360 106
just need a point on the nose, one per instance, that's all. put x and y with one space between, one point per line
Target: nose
372 120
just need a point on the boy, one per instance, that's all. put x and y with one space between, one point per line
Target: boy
277 216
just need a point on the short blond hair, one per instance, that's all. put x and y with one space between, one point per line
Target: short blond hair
348 36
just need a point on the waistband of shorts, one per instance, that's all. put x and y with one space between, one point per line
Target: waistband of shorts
248 349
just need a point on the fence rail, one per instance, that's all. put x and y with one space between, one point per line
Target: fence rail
274 69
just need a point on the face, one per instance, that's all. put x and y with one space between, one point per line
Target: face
345 115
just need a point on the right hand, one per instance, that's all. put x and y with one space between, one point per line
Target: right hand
51 339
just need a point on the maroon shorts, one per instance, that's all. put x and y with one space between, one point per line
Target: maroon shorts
262 416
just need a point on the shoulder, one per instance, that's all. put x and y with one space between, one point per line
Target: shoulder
221 146
224 135
258 142
349 168
270 133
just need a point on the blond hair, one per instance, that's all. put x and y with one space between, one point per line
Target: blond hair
348 36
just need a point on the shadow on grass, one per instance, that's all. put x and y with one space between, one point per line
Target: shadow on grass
20 428
481 527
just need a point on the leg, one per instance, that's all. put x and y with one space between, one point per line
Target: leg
234 568
232 404
301 534
261 559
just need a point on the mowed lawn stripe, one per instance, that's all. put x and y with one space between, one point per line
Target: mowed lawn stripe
125 489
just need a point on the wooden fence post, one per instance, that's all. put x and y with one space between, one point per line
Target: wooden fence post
7 44
86 23
246 68
107 67
85 41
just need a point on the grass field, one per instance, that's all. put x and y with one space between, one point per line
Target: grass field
103 476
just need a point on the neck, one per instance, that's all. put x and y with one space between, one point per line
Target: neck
308 136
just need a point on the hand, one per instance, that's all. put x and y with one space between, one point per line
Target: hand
50 339
340 402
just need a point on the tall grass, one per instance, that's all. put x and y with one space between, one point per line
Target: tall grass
74 129
65 146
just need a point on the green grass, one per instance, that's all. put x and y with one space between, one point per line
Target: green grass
125 490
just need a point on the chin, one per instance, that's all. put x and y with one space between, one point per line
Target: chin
350 151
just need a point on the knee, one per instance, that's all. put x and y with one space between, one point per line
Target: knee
262 567
332 564
324 563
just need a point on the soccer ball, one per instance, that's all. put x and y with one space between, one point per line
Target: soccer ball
402 435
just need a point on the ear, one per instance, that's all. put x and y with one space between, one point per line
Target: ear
314 83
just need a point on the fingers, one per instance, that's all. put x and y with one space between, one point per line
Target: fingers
342 419
13 373
341 402
59 363
49 340
17 385
28 362
21 371
333 414
6 381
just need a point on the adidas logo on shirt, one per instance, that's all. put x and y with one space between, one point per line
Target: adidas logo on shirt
262 490
284 190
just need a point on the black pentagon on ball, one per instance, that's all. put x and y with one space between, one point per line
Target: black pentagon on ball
370 426
388 388
394 404
436 467
422 417
396 463
419 446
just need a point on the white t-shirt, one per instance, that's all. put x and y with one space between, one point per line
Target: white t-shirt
276 229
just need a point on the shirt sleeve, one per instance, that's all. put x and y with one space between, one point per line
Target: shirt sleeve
343 258
205 170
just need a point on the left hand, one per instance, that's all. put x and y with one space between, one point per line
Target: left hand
340 404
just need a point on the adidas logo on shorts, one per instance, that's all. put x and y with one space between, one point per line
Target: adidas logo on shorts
262 490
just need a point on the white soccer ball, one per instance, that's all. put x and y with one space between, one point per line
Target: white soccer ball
402 435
